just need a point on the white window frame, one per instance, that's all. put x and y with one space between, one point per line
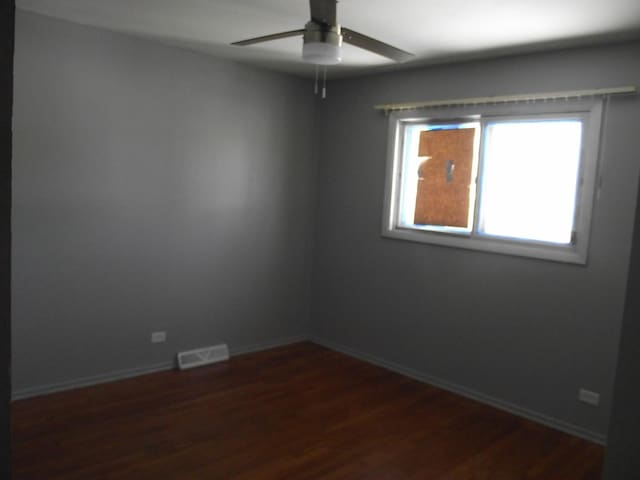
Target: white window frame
588 111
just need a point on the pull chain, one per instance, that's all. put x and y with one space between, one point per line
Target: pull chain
324 82
315 89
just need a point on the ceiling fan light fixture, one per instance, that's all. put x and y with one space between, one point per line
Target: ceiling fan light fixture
321 53
322 38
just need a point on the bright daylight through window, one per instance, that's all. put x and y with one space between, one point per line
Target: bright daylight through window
508 180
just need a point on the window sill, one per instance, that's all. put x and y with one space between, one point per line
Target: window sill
573 254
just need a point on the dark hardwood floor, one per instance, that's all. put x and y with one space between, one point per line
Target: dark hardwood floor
296 412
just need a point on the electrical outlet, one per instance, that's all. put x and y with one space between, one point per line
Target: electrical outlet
158 337
587 396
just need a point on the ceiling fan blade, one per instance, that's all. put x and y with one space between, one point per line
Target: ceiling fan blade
323 11
267 38
375 46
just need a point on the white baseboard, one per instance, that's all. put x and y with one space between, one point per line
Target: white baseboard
466 392
135 372
88 381
268 345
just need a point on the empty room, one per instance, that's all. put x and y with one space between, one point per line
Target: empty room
291 239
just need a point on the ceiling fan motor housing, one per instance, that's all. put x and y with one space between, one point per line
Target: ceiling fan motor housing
322 44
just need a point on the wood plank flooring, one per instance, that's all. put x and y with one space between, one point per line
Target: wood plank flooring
296 412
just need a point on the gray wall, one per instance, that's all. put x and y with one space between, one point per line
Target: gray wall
523 331
622 460
6 95
154 189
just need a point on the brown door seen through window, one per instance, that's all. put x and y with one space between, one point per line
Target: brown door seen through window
444 178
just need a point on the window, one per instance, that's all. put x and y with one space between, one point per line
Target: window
513 179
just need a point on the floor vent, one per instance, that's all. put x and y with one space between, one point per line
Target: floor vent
203 356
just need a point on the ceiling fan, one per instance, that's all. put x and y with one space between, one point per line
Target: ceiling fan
323 37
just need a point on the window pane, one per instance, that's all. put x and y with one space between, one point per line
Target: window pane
438 168
529 179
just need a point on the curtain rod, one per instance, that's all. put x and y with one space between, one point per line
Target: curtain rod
529 97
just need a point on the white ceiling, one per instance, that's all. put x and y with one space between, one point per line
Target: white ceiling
434 30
